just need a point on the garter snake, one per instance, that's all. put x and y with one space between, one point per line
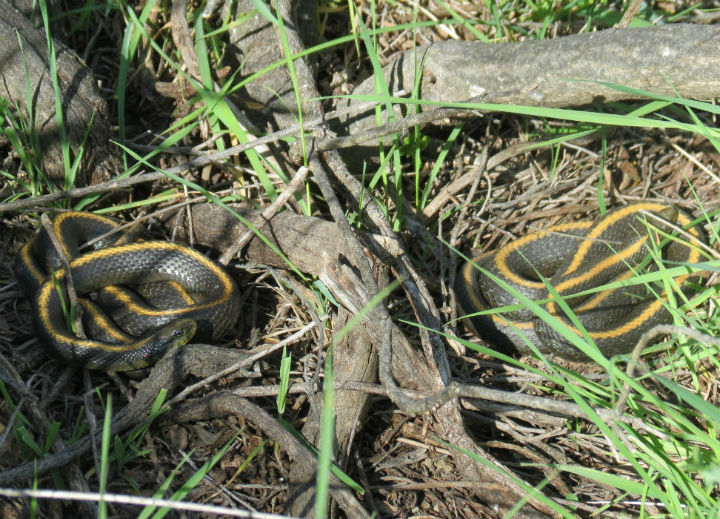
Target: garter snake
182 294
573 258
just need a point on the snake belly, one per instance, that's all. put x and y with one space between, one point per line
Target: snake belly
138 300
574 258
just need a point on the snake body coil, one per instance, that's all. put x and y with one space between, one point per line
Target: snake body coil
574 258
182 294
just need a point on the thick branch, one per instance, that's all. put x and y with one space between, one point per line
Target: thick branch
24 60
662 59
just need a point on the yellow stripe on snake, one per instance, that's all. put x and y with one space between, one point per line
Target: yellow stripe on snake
138 300
573 258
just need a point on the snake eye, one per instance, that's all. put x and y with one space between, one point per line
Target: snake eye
177 332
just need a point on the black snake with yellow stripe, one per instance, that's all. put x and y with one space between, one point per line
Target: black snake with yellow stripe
177 294
573 258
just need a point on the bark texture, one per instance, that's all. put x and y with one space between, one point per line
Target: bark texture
560 72
24 61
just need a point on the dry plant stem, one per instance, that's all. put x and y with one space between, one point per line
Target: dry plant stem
124 499
188 216
270 211
7 437
408 405
258 354
272 391
543 404
694 160
122 183
413 284
225 403
459 184
182 38
72 295
401 127
477 173
336 210
73 467
88 399
375 217
361 262
629 14
83 191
